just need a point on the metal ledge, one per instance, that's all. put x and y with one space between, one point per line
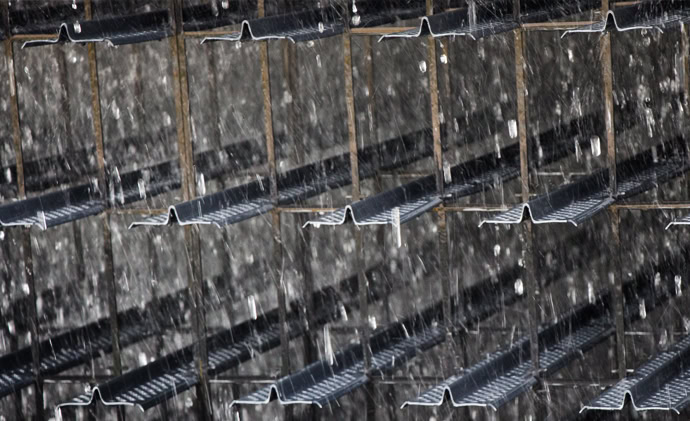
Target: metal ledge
647 15
243 202
661 384
299 26
69 205
505 375
577 202
164 378
77 346
405 203
54 208
323 382
70 349
151 26
482 20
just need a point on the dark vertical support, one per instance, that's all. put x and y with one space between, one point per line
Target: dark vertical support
191 233
107 240
527 234
277 249
607 78
26 232
356 194
438 171
685 45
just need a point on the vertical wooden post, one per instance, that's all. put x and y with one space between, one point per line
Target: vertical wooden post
191 233
356 195
34 330
277 248
618 304
527 233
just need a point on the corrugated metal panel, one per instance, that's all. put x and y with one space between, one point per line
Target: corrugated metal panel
240 203
577 202
164 378
54 208
70 349
644 15
480 174
299 26
505 375
151 26
323 382
85 200
492 18
661 384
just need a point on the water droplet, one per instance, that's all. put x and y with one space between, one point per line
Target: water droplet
590 292
422 66
225 4
497 250
321 27
328 344
142 188
444 59
356 19
519 287
77 27
512 128
372 322
678 281
251 303
643 309
595 145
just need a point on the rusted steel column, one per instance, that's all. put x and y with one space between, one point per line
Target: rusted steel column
527 232
110 288
364 331
26 231
276 264
443 238
191 233
303 243
618 304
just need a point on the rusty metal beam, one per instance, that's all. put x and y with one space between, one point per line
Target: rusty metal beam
191 234
26 232
527 231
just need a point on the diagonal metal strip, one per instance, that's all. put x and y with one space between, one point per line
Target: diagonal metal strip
494 18
300 26
322 382
643 15
164 378
680 221
661 384
308 25
577 202
243 202
480 174
121 30
505 375
51 209
69 350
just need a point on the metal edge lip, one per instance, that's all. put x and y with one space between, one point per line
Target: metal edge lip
424 21
272 395
94 391
680 221
522 218
610 14
170 216
626 394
